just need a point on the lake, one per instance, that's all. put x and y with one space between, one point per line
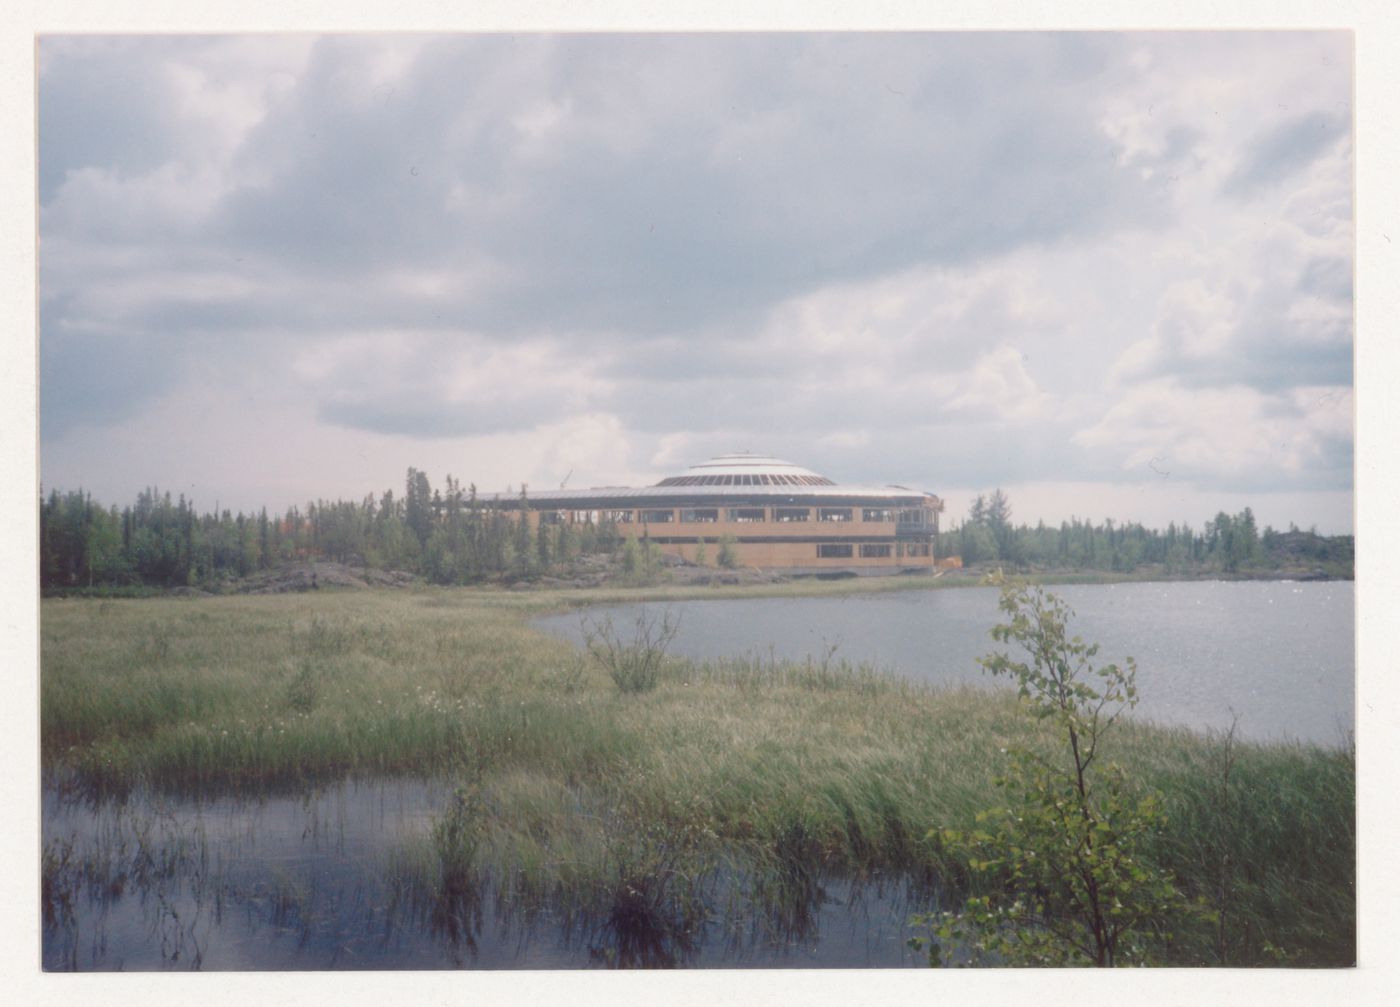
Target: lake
1281 655
314 880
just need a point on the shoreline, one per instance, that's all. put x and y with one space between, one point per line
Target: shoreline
786 768
298 579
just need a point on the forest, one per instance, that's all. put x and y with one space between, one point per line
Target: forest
451 535
1231 544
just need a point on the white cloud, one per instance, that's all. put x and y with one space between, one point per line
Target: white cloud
1227 436
592 449
1327 412
996 387
98 204
879 254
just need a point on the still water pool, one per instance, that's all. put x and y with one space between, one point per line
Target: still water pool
316 882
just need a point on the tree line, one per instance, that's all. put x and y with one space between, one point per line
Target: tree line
447 536
1228 543
453 536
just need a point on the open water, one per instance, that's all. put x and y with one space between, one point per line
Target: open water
1279 655
307 881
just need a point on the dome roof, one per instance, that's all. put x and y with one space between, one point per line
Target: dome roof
746 470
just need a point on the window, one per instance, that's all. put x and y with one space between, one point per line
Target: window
618 516
913 515
704 515
835 550
791 513
551 517
875 551
745 515
877 514
658 516
833 513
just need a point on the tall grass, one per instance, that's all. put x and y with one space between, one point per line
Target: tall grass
746 780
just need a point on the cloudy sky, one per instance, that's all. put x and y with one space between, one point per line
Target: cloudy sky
1110 273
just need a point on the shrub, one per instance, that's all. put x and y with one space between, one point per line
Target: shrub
634 665
1064 866
631 557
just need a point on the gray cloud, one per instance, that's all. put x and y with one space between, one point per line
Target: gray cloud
115 111
804 243
90 378
665 195
1294 329
1286 148
414 417
670 196
1328 278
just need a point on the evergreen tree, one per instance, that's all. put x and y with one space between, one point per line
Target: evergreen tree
999 521
525 558
264 540
566 548
474 546
544 552
418 505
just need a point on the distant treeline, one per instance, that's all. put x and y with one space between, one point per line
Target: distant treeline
1227 544
448 536
451 536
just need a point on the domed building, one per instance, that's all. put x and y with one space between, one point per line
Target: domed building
775 515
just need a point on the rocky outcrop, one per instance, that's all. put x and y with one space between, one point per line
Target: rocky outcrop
314 576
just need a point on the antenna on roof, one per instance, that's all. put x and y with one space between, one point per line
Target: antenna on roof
566 479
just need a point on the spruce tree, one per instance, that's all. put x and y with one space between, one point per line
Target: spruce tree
525 557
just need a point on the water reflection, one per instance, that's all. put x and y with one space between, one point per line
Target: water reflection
347 877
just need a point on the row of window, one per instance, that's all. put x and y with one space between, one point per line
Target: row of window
870 550
749 515
761 479
752 515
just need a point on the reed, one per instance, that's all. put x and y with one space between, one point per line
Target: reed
741 782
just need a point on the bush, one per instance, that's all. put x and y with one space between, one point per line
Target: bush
1064 866
634 665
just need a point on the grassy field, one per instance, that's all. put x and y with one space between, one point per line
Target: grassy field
575 793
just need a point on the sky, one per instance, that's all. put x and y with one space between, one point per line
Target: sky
1109 273
598 265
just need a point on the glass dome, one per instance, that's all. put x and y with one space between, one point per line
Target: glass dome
746 470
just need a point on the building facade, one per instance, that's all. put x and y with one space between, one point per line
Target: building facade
772 513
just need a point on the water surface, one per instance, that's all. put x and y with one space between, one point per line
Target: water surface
1280 655
310 882
314 881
